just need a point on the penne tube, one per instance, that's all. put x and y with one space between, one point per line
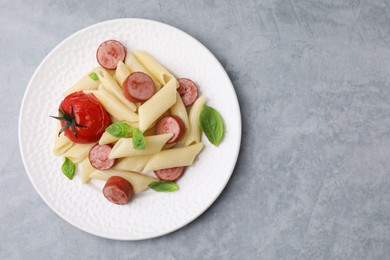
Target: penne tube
194 134
78 152
61 143
124 146
85 169
175 157
122 72
157 105
107 138
156 69
139 181
134 66
179 109
114 107
133 163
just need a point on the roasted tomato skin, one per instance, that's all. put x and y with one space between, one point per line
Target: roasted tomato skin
88 113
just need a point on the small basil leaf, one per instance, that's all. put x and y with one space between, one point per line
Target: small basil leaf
139 142
211 124
163 186
120 129
68 168
93 76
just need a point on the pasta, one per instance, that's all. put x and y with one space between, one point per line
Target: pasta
178 109
156 134
175 157
61 142
156 69
134 163
107 138
78 152
134 66
139 182
194 135
122 72
86 169
112 86
85 83
152 109
124 147
114 107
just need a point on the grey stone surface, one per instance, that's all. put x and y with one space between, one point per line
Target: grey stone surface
312 180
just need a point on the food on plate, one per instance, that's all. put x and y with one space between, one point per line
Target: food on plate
211 124
188 91
83 118
118 190
68 168
138 87
110 53
130 119
171 124
164 186
98 157
169 174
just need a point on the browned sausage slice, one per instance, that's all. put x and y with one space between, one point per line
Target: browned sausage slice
188 91
170 174
171 124
110 53
138 87
98 157
118 190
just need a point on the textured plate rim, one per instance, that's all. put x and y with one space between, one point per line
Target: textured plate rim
236 105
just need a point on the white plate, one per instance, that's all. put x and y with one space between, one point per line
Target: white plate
150 214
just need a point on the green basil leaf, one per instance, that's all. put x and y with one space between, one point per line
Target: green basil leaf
139 142
120 129
68 168
211 124
93 76
163 186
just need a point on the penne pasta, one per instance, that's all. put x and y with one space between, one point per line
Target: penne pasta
134 163
86 169
122 72
78 152
61 143
157 105
175 157
85 83
194 134
134 66
114 107
107 138
139 181
110 85
156 69
154 120
178 109
124 147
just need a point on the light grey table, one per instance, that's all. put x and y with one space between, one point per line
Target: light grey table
313 177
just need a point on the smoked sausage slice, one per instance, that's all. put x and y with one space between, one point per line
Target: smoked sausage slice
138 87
170 174
188 91
110 53
98 157
118 190
171 124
